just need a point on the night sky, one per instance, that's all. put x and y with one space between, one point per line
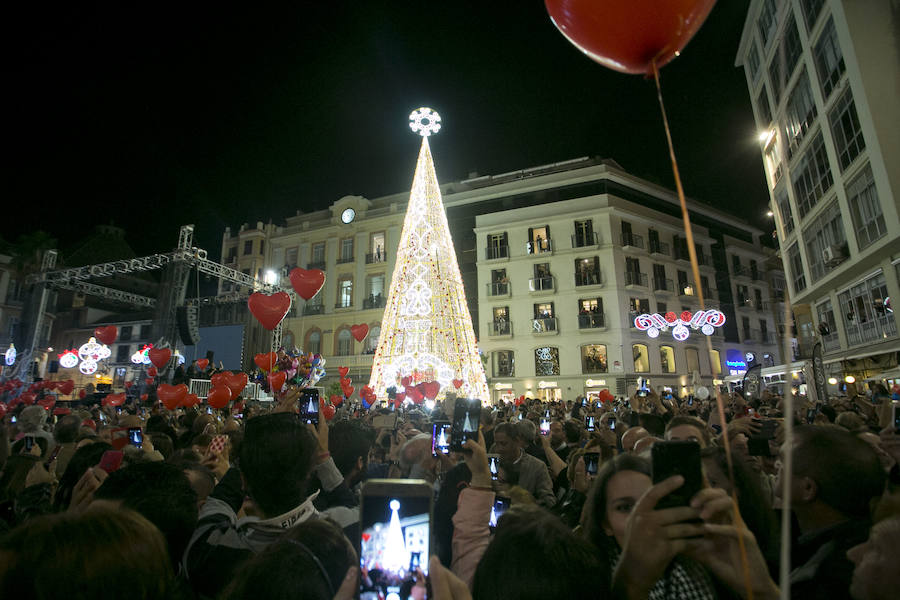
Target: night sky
154 115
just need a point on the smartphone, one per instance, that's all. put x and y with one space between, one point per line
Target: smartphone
440 438
644 388
758 444
547 414
13 419
136 437
612 423
309 406
545 426
690 401
584 402
102 417
501 505
395 535
29 443
111 461
494 466
209 410
591 462
677 458
385 421
466 419
521 416
53 456
590 423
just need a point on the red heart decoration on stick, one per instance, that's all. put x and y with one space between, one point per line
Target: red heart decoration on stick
430 389
359 331
190 400
269 310
152 372
66 387
348 390
406 381
219 397
219 378
144 397
160 356
202 363
149 381
172 395
106 335
400 397
115 399
343 371
276 380
236 383
265 360
82 393
328 412
307 283
336 399
415 394
457 383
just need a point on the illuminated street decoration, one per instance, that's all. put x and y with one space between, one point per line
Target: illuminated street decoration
10 356
68 359
426 326
91 353
88 367
705 320
142 356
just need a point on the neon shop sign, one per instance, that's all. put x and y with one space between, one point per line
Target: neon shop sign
704 320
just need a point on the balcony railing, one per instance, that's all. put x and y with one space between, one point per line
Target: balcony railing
740 271
544 325
710 294
831 342
875 330
632 240
344 305
500 327
761 306
498 289
374 302
588 278
376 257
635 278
504 371
661 284
493 252
756 275
657 247
540 246
541 284
316 265
584 240
313 309
342 260
590 366
591 321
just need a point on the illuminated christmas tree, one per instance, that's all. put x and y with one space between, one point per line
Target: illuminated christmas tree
426 333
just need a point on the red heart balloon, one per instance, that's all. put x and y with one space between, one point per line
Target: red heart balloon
430 389
629 35
328 412
348 390
265 360
61 410
359 331
202 363
219 397
149 381
115 399
276 380
415 394
190 400
82 393
106 335
343 371
160 357
172 395
236 383
336 399
269 310
144 397
400 397
27 398
219 378
152 372
307 283
457 383
406 381
398 402
66 387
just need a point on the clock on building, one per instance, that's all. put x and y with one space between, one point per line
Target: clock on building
348 215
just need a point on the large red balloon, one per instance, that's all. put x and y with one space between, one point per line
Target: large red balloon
276 380
236 383
172 395
328 412
265 360
160 356
269 310
219 397
190 400
114 400
359 331
106 335
219 379
66 387
629 35
202 363
307 283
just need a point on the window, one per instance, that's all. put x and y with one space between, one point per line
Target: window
587 271
497 246
538 240
262 245
737 268
763 331
796 266
791 50
829 60
546 361
123 353
848 137
314 342
753 61
868 219
504 363
345 343
766 23
376 243
812 176
692 357
374 291
866 314
667 359
661 307
754 269
248 247
593 358
745 327
826 246
784 208
543 280
499 285
679 248
125 333
372 340
757 298
544 317
773 160
145 332
345 292
659 278
715 360
290 257
762 104
232 253
287 340
638 306
12 326
827 322
743 295
684 288
318 253
346 250
590 313
800 112
500 324
584 234
641 358
776 78
811 10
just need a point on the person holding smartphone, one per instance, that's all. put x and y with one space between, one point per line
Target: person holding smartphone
471 533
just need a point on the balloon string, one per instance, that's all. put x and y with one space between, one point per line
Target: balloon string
692 254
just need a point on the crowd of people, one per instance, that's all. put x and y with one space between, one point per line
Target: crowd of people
141 502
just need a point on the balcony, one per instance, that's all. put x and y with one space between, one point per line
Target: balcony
756 275
504 372
710 294
373 302
591 321
341 305
585 240
343 260
704 260
498 290
742 303
496 252
592 277
635 278
660 284
546 325
541 284
761 306
316 265
830 342
686 289
875 330
499 328
660 248
631 240
313 309
539 246
740 271
373 258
